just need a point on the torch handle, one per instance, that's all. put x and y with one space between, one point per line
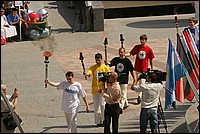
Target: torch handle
46 74
122 46
106 56
176 23
122 40
83 68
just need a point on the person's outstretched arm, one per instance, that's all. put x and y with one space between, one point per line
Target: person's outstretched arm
54 84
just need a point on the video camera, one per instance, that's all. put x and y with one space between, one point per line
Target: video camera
161 76
103 76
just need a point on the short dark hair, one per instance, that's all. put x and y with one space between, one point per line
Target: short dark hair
153 77
98 55
143 36
14 9
69 73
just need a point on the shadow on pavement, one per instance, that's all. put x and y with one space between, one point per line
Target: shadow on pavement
181 129
45 129
158 24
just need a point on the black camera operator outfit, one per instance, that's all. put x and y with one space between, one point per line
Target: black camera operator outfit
149 104
112 109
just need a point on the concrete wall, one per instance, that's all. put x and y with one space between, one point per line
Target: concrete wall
98 16
125 4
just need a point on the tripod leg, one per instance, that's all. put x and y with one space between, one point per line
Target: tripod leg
161 116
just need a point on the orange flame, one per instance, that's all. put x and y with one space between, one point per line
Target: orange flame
47 54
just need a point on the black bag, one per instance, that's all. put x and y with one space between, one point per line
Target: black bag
10 123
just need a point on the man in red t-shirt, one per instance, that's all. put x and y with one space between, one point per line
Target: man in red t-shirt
143 54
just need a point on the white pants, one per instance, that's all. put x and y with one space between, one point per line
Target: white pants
140 82
99 106
71 119
7 32
124 100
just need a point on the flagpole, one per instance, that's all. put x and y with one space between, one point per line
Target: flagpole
176 22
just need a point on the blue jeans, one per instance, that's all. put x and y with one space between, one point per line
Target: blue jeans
147 114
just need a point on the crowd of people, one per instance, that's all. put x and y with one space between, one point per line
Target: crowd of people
18 22
109 97
10 21
10 25
109 94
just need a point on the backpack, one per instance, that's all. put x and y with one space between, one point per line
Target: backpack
9 122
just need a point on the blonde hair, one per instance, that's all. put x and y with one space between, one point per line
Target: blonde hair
121 48
191 19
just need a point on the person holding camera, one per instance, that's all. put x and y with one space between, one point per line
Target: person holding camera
98 100
72 91
149 102
112 97
12 99
122 66
143 54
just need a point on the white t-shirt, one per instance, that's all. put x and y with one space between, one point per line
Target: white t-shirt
71 95
150 94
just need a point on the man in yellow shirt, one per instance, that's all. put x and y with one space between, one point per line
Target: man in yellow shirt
99 104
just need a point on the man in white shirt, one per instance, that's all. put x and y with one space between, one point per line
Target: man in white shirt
72 91
149 102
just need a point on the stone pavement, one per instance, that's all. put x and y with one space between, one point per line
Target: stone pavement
22 66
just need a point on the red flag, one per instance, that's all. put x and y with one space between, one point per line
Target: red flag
180 91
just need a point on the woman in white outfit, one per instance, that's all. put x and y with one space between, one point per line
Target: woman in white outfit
7 30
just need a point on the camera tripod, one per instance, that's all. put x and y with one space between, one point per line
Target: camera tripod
161 117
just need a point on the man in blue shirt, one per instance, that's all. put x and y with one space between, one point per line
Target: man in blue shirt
14 19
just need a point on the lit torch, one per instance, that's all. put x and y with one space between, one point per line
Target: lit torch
46 55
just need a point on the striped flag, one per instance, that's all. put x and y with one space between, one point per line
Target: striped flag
189 39
194 44
175 70
187 53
